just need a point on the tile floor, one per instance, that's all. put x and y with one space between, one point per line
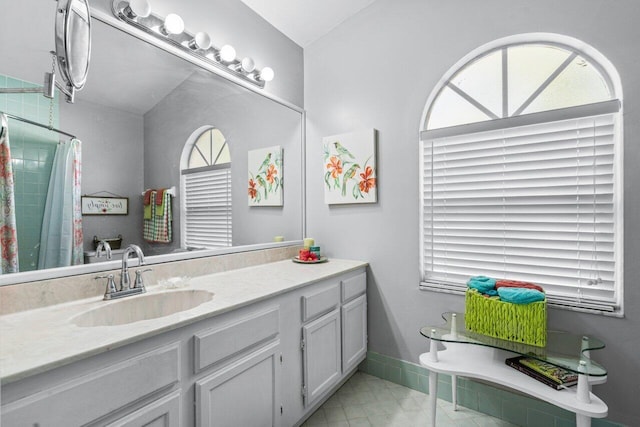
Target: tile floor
366 400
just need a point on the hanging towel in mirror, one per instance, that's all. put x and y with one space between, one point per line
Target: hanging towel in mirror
160 202
158 229
147 204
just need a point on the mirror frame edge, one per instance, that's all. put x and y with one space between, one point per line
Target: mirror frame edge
75 270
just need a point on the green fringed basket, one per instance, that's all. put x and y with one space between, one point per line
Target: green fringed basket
525 323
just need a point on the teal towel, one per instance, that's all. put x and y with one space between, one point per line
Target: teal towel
484 285
520 295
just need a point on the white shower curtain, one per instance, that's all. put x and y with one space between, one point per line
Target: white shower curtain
8 231
61 237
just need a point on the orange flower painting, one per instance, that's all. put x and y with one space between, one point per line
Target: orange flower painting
350 168
253 193
265 177
271 173
335 167
366 180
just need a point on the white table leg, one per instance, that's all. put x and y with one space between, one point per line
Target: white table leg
433 395
454 391
583 421
454 378
433 379
583 395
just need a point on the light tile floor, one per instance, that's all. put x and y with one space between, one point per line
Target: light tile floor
366 400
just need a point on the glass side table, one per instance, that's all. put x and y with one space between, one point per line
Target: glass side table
474 355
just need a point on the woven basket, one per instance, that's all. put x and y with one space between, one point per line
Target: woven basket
525 323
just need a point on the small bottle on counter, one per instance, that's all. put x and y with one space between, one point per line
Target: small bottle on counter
315 250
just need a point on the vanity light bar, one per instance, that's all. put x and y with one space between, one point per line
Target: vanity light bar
137 13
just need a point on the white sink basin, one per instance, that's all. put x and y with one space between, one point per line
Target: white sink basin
142 307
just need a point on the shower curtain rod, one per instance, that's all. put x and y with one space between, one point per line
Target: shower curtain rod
31 122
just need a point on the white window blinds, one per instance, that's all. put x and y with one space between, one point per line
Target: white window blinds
208 208
533 203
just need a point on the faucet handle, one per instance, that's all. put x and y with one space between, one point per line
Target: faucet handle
139 283
111 285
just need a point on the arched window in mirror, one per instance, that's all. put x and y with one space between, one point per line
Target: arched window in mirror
206 188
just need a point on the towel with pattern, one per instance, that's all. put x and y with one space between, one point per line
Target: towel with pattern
157 227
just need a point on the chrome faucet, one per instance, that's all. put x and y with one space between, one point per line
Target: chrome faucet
125 282
103 247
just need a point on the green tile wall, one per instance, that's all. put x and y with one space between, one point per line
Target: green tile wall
32 151
512 407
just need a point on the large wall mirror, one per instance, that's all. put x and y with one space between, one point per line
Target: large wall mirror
139 109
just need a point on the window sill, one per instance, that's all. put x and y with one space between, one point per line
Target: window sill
616 312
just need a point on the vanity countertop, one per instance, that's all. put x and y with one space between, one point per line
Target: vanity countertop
35 341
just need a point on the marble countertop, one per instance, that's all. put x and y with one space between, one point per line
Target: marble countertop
38 340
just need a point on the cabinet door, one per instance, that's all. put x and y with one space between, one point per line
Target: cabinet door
164 412
244 393
354 333
321 355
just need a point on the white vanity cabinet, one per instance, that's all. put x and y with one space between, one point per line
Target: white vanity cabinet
336 341
243 366
354 320
321 356
242 386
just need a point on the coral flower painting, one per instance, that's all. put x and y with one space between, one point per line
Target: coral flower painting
349 168
265 186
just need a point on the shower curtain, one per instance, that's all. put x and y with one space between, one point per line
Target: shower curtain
8 231
61 237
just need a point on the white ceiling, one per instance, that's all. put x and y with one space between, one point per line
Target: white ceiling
305 21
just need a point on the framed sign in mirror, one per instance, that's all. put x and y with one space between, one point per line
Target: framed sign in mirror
92 205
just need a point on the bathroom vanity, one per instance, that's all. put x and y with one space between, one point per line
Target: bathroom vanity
257 346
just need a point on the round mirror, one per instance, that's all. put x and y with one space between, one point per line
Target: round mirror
73 41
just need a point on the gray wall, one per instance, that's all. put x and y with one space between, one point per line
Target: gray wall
232 22
248 121
112 162
377 70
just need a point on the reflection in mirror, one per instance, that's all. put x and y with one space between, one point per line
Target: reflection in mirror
140 111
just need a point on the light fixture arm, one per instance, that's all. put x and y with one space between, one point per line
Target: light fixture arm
195 45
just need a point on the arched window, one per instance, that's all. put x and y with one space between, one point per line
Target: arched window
206 183
521 175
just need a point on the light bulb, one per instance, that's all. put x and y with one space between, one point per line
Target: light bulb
200 41
247 65
227 53
267 74
173 24
137 8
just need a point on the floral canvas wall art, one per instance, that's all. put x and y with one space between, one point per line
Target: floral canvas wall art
349 168
266 177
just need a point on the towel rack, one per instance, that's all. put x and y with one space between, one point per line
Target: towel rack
171 190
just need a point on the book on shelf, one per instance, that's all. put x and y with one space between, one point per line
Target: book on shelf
551 375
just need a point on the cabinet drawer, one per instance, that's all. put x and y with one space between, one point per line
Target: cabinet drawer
120 385
214 345
320 302
162 412
354 286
